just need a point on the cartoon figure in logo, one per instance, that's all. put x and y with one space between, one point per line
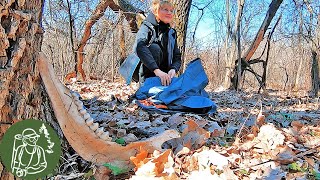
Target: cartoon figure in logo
28 158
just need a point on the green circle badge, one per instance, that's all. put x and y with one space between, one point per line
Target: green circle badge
30 149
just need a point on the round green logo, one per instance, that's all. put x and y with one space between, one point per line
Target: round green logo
30 149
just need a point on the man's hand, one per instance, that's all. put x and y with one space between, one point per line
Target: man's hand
165 78
172 73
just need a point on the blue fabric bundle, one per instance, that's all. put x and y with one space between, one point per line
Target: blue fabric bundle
185 93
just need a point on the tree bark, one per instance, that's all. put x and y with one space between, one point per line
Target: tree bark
233 35
300 49
113 60
315 50
122 43
22 95
228 60
130 15
181 23
239 70
315 73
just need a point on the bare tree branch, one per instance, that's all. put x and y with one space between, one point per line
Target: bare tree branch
274 6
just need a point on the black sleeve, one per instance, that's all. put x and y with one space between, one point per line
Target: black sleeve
142 50
176 59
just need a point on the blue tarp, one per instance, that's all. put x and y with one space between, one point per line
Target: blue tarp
185 93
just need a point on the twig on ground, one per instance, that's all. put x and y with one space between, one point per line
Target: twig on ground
312 150
243 124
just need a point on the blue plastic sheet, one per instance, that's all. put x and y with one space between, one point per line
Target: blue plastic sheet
185 93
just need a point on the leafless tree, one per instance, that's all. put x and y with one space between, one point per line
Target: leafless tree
233 35
181 24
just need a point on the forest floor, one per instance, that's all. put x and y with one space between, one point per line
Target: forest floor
253 136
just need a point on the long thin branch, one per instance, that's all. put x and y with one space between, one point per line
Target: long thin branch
96 15
310 9
274 6
71 28
198 21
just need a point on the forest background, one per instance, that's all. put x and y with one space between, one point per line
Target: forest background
100 33
289 61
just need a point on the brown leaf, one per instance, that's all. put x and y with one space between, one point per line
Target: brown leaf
286 156
102 172
218 133
192 137
188 144
310 161
86 89
255 130
297 125
193 126
233 150
216 130
131 109
159 166
250 137
190 164
163 161
247 145
140 159
260 119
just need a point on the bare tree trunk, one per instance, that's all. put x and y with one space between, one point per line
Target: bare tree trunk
239 17
122 39
113 59
239 76
22 95
315 73
315 51
233 36
73 36
316 60
181 23
228 60
298 74
263 84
